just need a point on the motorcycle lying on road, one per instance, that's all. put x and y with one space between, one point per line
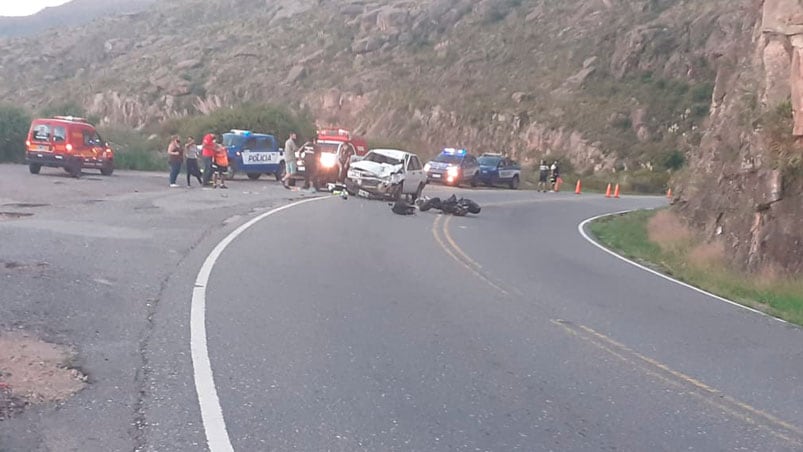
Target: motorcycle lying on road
453 205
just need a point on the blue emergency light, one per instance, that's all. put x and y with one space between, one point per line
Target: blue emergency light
453 151
244 133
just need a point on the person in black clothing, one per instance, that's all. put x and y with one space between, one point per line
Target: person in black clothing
311 156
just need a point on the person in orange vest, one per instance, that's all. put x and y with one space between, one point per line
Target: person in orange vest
220 167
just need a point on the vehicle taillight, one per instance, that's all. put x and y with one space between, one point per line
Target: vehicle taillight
69 147
27 142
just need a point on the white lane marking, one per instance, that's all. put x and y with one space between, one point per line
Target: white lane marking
582 226
217 437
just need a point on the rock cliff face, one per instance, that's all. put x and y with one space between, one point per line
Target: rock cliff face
745 183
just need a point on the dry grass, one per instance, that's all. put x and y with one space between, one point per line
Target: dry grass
706 255
667 231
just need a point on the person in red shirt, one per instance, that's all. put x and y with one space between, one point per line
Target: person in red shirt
220 167
207 155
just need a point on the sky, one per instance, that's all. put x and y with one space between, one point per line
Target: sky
26 7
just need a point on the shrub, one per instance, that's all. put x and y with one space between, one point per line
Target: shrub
14 124
133 150
257 118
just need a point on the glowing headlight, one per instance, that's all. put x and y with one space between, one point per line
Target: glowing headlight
427 167
328 160
453 171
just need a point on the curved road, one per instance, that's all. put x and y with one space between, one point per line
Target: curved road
337 325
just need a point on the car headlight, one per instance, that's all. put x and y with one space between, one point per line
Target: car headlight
328 160
453 171
427 167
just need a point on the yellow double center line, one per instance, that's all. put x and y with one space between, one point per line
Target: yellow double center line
733 407
440 230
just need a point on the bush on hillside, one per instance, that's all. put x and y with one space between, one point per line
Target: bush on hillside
14 124
256 118
133 150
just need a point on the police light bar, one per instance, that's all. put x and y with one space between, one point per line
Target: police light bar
70 118
453 151
334 133
241 132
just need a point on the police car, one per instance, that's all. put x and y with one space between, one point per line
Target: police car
453 167
253 154
496 169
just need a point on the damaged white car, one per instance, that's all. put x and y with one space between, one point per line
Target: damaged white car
386 174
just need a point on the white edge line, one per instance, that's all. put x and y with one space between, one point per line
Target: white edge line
582 226
217 437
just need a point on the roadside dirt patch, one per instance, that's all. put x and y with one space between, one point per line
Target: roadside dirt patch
33 371
666 229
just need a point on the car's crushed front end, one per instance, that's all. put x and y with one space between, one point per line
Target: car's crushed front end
374 180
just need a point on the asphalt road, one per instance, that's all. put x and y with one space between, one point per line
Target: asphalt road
337 325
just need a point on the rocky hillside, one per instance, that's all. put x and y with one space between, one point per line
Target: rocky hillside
744 185
72 14
607 85
611 83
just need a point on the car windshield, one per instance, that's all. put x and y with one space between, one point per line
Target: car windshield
328 147
381 158
489 161
233 140
449 158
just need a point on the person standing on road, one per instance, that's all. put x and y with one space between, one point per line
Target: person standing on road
207 154
220 166
555 175
543 174
290 148
175 156
191 156
311 155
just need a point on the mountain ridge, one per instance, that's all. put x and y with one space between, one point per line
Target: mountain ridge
613 88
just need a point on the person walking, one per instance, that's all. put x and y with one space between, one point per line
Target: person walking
290 148
191 158
175 156
543 174
207 154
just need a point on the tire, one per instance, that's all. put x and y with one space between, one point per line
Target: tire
107 170
470 206
398 192
418 192
279 175
231 172
254 176
474 180
34 168
514 184
74 168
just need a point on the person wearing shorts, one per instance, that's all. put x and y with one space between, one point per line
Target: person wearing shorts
543 175
290 148
220 166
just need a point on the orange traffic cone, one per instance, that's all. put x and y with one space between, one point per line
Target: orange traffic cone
579 188
616 191
608 191
669 194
